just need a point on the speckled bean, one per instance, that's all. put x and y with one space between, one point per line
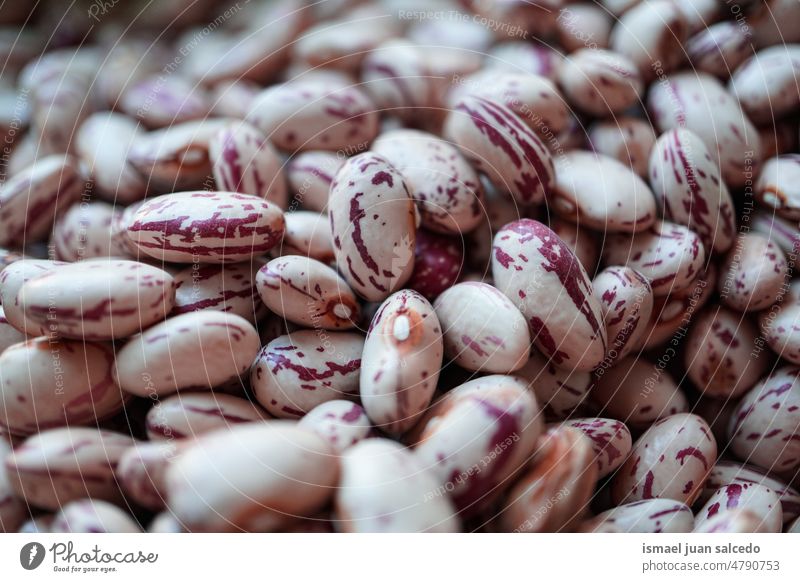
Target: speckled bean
244 161
765 430
611 442
385 488
669 255
310 175
766 85
102 143
483 330
85 231
599 192
48 383
98 300
441 181
93 516
752 276
31 200
501 145
205 227
650 516
308 293
142 468
396 77
651 32
555 491
531 263
559 392
314 115
12 278
60 465
778 185
477 436
294 373
164 100
600 82
198 350
628 140
721 358
308 234
637 392
719 48
699 102
176 157
401 361
263 475
671 460
728 472
190 415
762 501
626 299
689 190
229 288
438 263
340 422
373 221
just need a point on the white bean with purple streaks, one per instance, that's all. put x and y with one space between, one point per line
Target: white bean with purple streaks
49 383
500 144
308 293
444 185
401 361
545 280
721 357
190 415
205 227
12 278
761 500
373 222
198 350
98 300
483 330
671 460
626 299
85 231
611 442
264 475
689 190
385 488
294 373
93 516
559 392
599 192
340 422
478 435
669 255
31 200
699 102
753 275
637 392
733 521
228 288
600 82
765 429
719 48
766 85
628 140
60 465
142 469
243 160
314 115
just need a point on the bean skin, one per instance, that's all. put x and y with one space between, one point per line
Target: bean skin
650 516
738 520
671 460
162 360
762 501
401 361
227 288
753 274
611 442
373 222
294 373
530 263
777 186
340 422
307 292
559 392
12 278
205 227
